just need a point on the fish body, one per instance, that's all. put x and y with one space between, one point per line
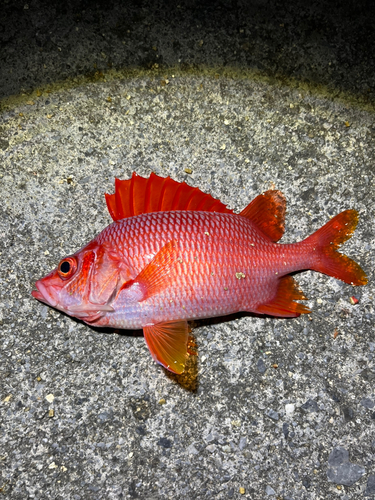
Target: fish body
220 264
175 254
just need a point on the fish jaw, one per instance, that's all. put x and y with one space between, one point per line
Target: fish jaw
47 292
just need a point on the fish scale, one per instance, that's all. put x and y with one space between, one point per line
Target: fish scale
213 249
174 254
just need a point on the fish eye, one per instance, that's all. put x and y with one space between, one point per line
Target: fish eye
67 268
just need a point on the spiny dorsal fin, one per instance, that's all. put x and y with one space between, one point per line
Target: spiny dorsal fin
140 195
267 212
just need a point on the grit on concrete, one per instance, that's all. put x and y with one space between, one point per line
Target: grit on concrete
270 408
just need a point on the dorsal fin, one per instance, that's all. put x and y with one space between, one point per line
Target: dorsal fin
267 212
140 195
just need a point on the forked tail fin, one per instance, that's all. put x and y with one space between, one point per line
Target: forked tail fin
325 242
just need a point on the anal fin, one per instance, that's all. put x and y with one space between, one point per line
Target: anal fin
283 304
168 344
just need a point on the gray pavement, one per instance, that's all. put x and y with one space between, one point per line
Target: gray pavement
234 98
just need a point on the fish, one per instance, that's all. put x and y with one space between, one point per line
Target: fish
174 254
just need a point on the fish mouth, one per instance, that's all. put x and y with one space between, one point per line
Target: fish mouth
46 295
87 312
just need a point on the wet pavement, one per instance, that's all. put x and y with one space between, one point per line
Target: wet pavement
234 99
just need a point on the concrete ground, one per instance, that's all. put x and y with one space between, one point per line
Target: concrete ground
234 98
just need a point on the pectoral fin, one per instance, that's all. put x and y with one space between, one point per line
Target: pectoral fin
157 275
168 344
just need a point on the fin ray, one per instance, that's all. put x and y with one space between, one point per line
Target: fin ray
325 242
139 195
156 275
267 212
283 304
168 344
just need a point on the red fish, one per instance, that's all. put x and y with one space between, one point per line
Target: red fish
175 254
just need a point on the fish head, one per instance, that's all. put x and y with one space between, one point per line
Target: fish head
84 284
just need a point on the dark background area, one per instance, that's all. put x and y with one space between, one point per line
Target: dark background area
324 43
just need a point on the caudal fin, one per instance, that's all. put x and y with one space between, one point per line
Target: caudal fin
325 243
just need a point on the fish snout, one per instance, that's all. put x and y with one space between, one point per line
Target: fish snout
48 294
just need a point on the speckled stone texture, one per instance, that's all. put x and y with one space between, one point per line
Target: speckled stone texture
270 408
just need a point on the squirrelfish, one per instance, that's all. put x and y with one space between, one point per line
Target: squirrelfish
174 253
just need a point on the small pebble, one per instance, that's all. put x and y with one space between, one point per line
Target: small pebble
289 409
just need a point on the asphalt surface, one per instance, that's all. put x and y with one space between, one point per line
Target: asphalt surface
234 98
